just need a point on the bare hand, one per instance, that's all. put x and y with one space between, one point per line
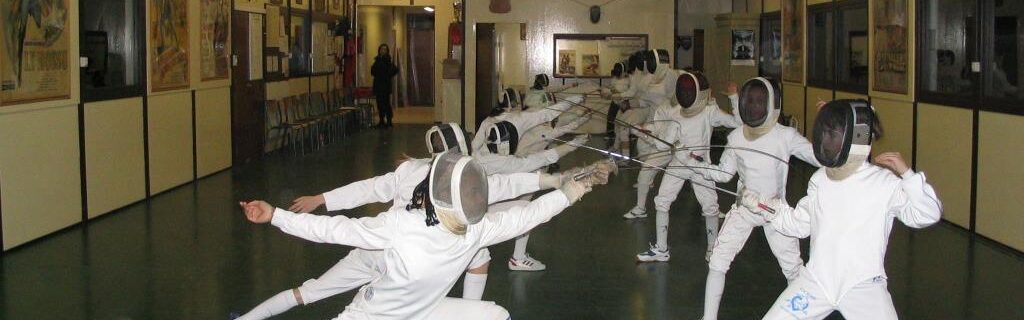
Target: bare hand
731 89
257 211
892 161
307 204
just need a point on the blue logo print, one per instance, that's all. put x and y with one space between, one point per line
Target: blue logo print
799 303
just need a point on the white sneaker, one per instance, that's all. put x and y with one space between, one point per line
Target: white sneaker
707 255
721 215
527 263
635 214
654 254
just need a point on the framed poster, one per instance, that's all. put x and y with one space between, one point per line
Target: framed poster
593 55
793 40
168 44
336 8
891 56
213 39
742 48
566 62
34 51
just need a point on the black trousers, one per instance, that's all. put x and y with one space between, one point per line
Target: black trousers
384 108
613 111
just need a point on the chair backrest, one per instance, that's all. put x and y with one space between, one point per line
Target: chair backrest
302 107
272 114
316 103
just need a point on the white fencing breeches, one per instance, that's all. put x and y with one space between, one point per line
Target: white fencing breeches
645 178
735 231
804 299
673 182
455 308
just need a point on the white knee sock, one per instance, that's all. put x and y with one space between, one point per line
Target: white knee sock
473 286
641 196
713 294
661 224
520 249
711 228
276 305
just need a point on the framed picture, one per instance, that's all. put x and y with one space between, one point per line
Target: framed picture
891 57
34 63
567 62
742 48
213 39
591 65
593 55
793 40
168 44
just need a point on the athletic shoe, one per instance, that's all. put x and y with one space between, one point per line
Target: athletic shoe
707 255
654 254
634 214
527 263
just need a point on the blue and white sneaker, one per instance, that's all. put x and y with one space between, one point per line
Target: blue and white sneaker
654 254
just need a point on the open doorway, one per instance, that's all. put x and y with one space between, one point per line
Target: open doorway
500 63
408 31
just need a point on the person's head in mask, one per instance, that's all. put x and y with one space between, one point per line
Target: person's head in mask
842 136
619 70
458 192
656 63
509 100
760 106
503 138
383 51
446 136
635 63
540 82
692 92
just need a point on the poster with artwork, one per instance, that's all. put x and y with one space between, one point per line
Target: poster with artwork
34 51
591 65
891 47
567 62
168 44
793 40
336 8
213 39
742 48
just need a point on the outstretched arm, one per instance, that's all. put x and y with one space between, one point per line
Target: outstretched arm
372 233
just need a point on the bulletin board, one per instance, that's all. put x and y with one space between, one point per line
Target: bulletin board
593 55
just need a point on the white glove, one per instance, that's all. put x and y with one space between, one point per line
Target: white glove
768 208
574 190
751 200
550 181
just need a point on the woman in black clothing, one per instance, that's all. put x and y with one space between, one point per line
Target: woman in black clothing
383 71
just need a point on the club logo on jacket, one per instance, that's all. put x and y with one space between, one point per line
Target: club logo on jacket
799 303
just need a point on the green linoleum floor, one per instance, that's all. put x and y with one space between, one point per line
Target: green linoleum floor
190 254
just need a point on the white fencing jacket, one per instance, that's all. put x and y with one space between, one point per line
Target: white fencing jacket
849 222
670 125
421 263
522 120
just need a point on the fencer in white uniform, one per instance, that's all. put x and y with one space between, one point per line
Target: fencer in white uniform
758 154
689 128
542 94
360 265
634 111
423 259
848 214
523 120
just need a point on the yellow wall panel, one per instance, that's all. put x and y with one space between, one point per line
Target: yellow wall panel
319 84
897 119
793 103
772 5
297 86
813 2
944 155
115 160
278 90
40 180
811 103
213 130
1000 177
170 140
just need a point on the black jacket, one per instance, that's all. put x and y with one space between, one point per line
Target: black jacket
383 71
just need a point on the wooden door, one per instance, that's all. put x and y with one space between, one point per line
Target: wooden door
486 71
420 65
248 90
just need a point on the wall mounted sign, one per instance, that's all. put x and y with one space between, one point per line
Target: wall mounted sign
34 52
168 44
892 56
742 48
793 40
213 39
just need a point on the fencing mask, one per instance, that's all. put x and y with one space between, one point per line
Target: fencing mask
635 62
458 191
692 92
503 138
656 63
843 133
760 106
618 70
446 136
509 100
541 81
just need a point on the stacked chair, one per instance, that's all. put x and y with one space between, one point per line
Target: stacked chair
309 121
